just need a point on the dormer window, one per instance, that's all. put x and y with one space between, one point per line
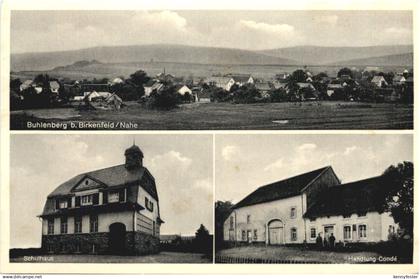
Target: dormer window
63 204
113 197
87 200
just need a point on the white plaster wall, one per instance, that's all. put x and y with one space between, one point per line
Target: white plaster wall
377 226
262 213
141 199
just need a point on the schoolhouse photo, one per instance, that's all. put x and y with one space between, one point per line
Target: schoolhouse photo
111 198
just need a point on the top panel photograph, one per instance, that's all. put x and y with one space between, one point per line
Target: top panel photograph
211 70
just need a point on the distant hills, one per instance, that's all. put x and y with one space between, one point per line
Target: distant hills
143 53
401 55
317 55
387 60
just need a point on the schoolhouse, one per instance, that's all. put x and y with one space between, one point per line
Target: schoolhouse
114 210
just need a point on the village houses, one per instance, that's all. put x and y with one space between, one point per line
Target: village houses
112 210
298 209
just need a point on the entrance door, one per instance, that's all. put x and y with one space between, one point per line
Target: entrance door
275 232
117 238
328 230
249 236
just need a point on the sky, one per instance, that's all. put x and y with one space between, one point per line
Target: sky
246 162
181 165
36 31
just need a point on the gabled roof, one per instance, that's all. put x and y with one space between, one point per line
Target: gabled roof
355 197
281 189
240 78
110 177
377 79
263 86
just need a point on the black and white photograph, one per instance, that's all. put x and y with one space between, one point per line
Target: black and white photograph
111 199
211 69
315 199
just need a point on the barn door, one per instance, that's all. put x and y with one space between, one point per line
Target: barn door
275 233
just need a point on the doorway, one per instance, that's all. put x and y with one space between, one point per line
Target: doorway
275 232
117 238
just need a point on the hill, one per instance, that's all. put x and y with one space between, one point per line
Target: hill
405 59
144 53
317 55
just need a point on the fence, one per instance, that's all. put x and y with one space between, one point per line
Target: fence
232 260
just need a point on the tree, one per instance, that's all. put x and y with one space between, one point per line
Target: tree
15 84
139 78
164 99
345 71
222 210
246 94
278 95
299 76
203 241
399 195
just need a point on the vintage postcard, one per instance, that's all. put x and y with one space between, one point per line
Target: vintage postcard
228 137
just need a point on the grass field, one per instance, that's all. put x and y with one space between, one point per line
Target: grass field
162 257
297 254
227 116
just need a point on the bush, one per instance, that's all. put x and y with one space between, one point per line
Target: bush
278 95
164 99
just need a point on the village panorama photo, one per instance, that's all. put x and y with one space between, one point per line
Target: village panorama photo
211 69
111 199
314 199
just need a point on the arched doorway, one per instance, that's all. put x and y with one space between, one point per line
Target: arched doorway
117 238
275 232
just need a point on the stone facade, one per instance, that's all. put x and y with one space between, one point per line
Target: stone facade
136 243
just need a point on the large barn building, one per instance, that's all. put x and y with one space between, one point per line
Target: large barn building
113 210
298 209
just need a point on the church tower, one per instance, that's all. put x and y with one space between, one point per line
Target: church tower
133 157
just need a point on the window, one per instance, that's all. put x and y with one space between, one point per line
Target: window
347 232
93 223
313 233
361 214
114 197
244 235
312 219
231 222
346 216
63 225
362 231
255 235
293 212
77 224
148 204
154 228
63 204
248 219
87 200
50 226
293 234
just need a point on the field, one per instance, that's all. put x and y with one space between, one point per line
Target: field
291 254
162 257
112 70
227 116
